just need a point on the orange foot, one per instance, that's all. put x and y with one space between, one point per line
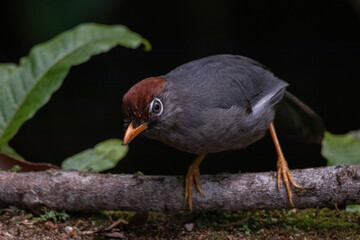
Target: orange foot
191 177
284 172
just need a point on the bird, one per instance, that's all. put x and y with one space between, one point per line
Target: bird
214 104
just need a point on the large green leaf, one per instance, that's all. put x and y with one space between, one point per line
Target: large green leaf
29 86
103 156
6 70
10 151
341 149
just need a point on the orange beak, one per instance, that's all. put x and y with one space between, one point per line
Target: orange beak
132 132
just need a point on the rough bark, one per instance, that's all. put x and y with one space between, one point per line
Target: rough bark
73 191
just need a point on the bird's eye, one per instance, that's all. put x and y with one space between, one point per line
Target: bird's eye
156 107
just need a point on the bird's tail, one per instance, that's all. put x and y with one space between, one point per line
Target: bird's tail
295 119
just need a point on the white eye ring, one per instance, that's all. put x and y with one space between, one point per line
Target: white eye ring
156 107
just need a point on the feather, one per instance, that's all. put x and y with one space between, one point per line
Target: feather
295 119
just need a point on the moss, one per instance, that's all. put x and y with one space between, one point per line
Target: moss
276 224
322 223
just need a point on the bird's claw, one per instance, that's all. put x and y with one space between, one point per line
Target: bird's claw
283 172
191 177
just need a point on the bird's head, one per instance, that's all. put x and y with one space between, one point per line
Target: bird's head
142 106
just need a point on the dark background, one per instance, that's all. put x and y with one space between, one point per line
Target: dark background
313 45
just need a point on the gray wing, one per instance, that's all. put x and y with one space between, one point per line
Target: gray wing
224 81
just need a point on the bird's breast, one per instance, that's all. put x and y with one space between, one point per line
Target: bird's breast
214 130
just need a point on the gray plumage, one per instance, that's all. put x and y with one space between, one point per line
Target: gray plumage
217 103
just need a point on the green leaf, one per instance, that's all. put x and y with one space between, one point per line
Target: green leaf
353 208
15 168
103 156
53 215
10 151
29 86
341 149
6 69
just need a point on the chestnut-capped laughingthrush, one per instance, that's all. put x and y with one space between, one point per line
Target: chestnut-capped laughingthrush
209 105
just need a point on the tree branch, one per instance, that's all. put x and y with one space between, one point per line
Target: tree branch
74 191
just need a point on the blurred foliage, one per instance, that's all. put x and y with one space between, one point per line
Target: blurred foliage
102 157
341 149
53 215
353 208
15 168
27 87
5 148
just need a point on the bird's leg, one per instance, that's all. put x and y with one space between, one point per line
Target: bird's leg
282 167
191 176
